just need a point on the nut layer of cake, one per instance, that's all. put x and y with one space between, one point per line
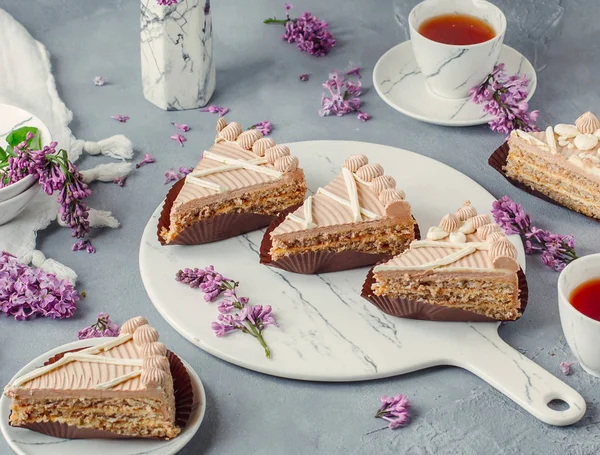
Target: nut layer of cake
466 263
122 386
241 173
360 210
563 163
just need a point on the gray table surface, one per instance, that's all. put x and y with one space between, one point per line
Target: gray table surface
257 78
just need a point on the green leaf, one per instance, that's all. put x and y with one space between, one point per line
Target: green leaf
20 134
3 155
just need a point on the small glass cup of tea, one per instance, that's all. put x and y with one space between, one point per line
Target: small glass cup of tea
456 43
579 308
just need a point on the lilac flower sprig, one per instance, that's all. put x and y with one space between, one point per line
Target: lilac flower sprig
557 250
344 96
394 410
265 127
27 292
234 312
310 34
103 327
505 98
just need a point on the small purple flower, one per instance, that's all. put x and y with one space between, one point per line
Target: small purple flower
120 118
103 327
146 160
565 367
120 180
84 244
394 410
288 6
363 116
215 110
166 2
354 72
171 175
264 127
226 306
185 128
221 329
304 77
99 81
185 170
179 138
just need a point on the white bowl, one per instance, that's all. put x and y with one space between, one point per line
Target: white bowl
14 206
11 118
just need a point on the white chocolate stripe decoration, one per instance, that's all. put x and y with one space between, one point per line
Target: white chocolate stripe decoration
226 167
352 194
430 244
342 201
116 381
443 261
205 183
307 221
104 360
242 164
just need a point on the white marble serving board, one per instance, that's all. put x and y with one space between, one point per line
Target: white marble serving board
328 332
27 442
399 82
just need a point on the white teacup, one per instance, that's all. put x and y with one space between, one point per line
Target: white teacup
452 70
581 332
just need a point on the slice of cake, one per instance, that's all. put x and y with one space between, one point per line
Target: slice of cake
122 387
466 270
241 184
357 219
562 163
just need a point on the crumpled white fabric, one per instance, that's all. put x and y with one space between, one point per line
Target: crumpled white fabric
31 86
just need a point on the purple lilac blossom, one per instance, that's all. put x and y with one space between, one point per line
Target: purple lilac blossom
179 138
394 410
103 327
120 118
27 292
120 180
146 160
216 110
99 81
183 127
310 34
344 96
565 367
304 77
265 127
171 175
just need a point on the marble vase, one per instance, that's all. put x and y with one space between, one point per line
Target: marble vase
178 70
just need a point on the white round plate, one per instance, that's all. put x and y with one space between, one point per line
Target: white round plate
400 84
11 118
27 442
327 332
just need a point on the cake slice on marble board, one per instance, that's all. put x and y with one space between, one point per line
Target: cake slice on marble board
357 219
465 270
241 184
122 387
561 164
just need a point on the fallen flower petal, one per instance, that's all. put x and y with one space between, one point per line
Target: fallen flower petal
185 128
171 175
103 327
565 367
120 118
304 77
185 170
354 72
394 410
120 180
363 116
99 81
264 127
179 138
146 160
215 110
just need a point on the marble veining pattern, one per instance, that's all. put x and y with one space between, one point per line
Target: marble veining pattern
178 69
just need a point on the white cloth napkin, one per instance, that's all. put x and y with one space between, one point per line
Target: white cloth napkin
31 86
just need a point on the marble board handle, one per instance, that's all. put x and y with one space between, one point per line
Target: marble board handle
519 378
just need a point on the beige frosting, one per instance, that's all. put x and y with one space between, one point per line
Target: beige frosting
145 334
369 172
276 152
116 365
355 162
230 132
349 198
466 211
247 139
449 223
221 123
286 163
479 220
495 236
383 182
390 195
261 146
454 251
487 229
587 123
132 324
156 348
153 377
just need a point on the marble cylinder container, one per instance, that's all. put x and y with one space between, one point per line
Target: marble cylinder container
178 70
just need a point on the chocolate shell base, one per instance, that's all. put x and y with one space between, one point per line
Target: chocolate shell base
499 159
411 309
212 229
314 262
184 403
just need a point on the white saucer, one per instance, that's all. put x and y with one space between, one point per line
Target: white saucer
399 83
27 442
